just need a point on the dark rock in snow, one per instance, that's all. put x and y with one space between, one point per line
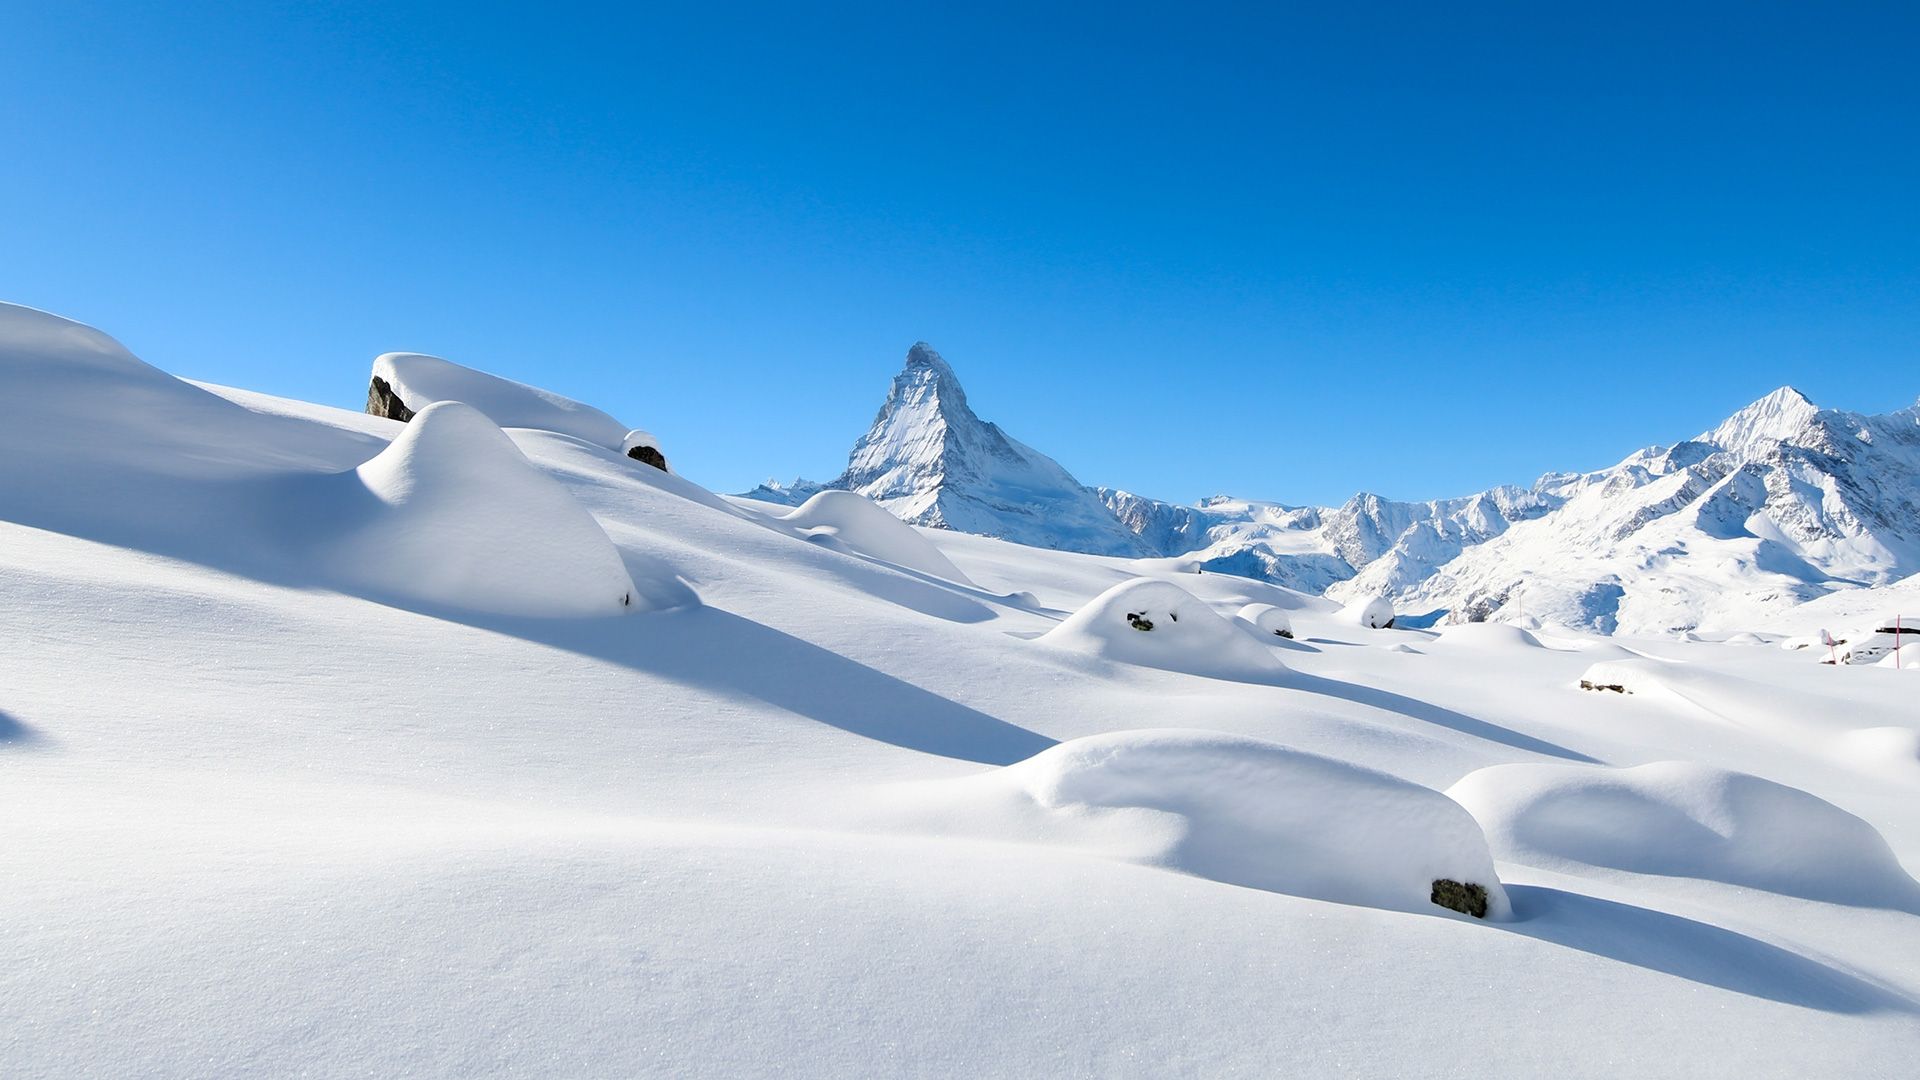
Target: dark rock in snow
1587 684
1468 898
650 456
382 401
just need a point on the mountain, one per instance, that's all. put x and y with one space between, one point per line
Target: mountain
931 461
1782 503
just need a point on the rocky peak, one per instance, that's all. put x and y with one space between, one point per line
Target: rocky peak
1778 417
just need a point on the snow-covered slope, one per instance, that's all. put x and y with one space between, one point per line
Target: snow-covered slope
816 810
932 462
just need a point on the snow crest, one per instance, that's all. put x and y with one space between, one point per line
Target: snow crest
453 514
422 380
1256 813
846 520
1681 819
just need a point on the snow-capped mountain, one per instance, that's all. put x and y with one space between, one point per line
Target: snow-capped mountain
931 461
1782 503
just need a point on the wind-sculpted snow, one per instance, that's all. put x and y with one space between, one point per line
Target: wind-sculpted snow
280 794
1160 625
1681 819
1485 636
853 522
1244 811
1265 621
1371 613
421 381
453 514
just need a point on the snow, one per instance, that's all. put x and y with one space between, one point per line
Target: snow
1684 819
803 809
854 523
1490 636
453 514
1265 620
1239 810
1160 625
421 381
1372 612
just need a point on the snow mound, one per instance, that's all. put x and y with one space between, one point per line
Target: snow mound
420 381
29 336
1260 814
1680 819
453 514
1265 621
852 521
1487 636
1373 613
1894 749
1160 625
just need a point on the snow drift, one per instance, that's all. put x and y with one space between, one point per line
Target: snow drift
1265 621
1372 613
1680 819
1158 624
851 521
1487 636
1250 812
453 514
419 381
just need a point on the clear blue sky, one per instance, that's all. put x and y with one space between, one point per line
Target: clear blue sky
1287 252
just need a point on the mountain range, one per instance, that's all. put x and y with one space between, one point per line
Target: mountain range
1782 503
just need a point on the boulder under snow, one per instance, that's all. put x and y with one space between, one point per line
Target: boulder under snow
1265 621
1372 613
1157 624
453 514
641 446
1681 819
1253 813
404 384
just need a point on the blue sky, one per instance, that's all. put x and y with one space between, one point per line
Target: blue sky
1285 251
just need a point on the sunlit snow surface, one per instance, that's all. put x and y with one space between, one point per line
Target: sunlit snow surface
831 799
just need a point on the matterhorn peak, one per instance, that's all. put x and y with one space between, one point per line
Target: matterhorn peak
927 379
931 461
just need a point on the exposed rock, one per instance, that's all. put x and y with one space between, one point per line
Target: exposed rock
1588 684
1468 898
1139 621
649 455
382 401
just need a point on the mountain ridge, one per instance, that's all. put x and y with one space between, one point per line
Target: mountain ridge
1780 503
